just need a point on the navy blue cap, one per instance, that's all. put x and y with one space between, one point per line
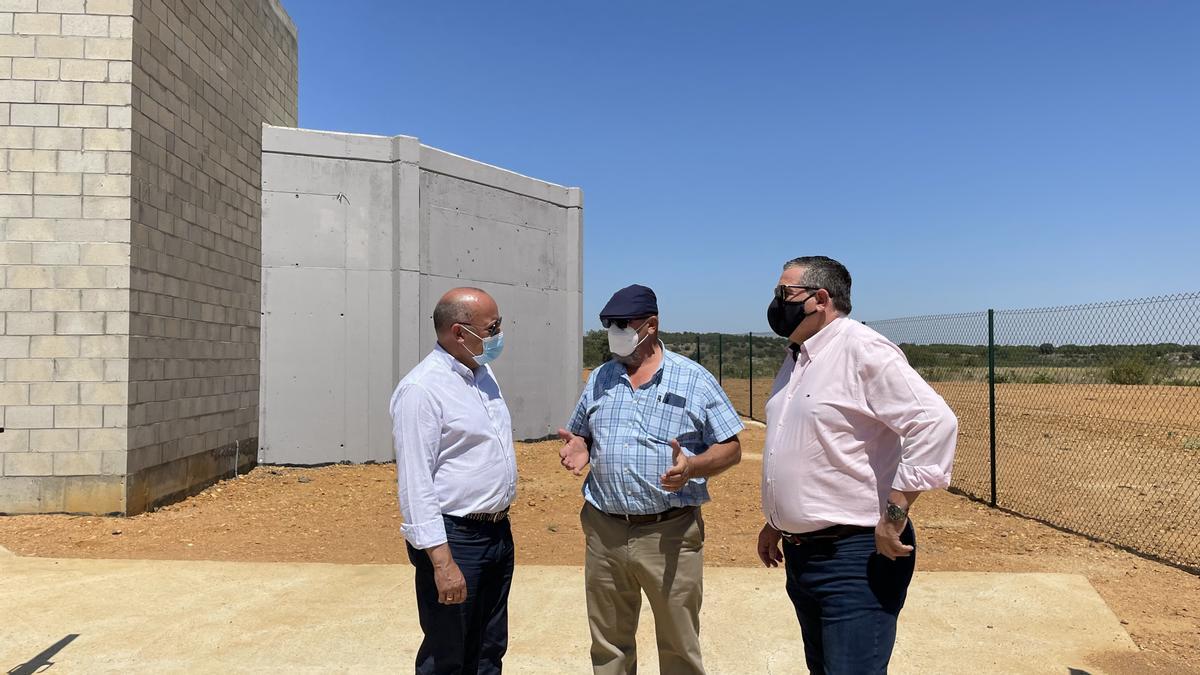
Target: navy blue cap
631 302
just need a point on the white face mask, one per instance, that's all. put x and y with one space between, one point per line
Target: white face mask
623 342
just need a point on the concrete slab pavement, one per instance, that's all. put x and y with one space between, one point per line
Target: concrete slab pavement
202 617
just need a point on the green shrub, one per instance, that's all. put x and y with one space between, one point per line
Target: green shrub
1130 370
1005 377
1042 377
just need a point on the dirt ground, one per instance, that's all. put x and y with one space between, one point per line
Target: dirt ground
348 514
1120 463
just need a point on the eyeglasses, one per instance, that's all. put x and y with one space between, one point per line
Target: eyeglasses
619 323
785 291
491 329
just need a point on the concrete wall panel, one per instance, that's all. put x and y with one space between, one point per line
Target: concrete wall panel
312 231
449 164
403 233
304 362
539 371
320 226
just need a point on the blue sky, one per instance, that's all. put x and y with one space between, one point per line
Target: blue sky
954 155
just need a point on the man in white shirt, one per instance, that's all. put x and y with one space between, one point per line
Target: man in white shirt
457 475
854 435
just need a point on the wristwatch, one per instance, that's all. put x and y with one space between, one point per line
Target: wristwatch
895 513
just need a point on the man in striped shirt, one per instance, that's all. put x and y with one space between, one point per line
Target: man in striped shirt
654 427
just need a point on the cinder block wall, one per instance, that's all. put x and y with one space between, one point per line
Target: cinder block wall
129 229
206 76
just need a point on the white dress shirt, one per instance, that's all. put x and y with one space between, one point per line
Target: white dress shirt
849 421
454 446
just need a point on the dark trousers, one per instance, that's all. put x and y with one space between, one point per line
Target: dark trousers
847 598
470 637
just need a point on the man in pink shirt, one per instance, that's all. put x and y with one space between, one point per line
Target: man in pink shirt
854 435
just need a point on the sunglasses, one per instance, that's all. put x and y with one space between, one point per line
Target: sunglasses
785 291
619 323
491 328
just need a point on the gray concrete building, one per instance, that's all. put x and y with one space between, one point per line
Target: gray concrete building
130 242
167 290
361 236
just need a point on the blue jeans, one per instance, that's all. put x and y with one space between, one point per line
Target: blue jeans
471 637
847 598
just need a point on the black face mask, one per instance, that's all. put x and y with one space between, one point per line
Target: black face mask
785 316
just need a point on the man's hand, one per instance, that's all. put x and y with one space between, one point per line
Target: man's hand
574 453
887 538
452 587
768 546
680 472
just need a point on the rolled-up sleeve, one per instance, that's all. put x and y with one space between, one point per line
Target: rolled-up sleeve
579 423
721 421
928 430
416 432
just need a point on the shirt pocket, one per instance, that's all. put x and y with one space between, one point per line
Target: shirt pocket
668 418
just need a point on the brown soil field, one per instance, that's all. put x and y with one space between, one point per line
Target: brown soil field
1120 463
348 514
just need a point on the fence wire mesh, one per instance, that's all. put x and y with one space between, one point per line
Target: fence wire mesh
1097 414
1096 409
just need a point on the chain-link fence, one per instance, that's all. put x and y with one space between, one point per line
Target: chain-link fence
1086 417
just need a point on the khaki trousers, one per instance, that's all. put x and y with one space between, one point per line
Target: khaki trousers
665 561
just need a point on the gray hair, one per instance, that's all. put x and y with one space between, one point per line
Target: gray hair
823 272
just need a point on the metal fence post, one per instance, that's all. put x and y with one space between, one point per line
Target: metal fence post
720 357
992 396
698 349
750 412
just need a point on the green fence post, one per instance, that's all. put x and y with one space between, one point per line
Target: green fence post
992 396
750 412
720 358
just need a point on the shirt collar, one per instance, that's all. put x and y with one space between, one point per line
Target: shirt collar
657 377
456 365
813 345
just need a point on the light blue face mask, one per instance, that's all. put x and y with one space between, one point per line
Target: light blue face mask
492 346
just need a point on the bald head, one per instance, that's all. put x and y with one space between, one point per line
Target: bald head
461 305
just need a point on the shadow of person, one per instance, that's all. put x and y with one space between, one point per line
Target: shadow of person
42 661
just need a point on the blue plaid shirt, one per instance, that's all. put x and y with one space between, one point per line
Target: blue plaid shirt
631 431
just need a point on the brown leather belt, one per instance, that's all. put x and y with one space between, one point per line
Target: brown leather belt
488 517
645 519
831 533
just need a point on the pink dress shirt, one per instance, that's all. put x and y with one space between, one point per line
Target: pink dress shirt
848 421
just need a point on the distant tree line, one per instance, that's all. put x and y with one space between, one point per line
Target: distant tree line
728 354
1165 363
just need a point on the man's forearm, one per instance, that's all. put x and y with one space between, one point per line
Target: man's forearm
716 459
440 555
